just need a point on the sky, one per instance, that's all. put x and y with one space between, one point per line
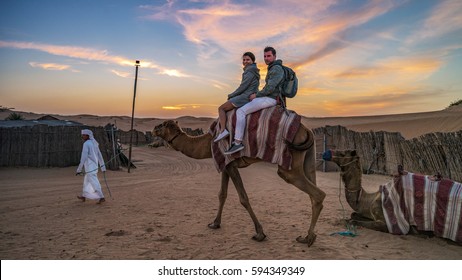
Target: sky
352 58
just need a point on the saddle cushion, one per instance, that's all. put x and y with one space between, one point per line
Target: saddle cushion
429 205
264 137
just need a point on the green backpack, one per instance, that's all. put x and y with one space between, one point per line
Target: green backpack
289 84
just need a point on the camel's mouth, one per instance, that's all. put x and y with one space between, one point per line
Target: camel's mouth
157 129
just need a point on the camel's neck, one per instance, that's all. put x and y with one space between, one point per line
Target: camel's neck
351 177
197 147
358 199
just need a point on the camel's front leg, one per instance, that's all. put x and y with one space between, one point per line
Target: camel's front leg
358 220
297 178
243 198
222 198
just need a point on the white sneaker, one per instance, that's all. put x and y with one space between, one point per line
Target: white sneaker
221 135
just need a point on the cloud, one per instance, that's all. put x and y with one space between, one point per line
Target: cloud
234 27
52 66
174 73
384 99
91 55
309 30
445 18
173 107
188 106
416 67
69 51
122 74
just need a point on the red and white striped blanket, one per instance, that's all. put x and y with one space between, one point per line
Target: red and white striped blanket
264 137
429 205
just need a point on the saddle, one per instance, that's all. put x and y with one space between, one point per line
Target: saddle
416 200
265 137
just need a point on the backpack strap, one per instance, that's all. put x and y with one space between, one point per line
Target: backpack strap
282 101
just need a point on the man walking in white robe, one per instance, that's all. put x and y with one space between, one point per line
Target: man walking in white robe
91 159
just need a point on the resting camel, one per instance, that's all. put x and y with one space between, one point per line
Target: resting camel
413 203
367 206
302 174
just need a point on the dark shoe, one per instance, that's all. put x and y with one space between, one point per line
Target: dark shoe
81 198
234 148
221 135
101 200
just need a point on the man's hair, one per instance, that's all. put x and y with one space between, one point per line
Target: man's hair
249 54
270 49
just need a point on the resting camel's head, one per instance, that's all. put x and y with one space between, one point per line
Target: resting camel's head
168 130
341 158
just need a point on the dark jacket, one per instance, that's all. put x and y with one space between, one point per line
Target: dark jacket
273 79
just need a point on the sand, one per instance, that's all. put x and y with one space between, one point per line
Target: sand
161 209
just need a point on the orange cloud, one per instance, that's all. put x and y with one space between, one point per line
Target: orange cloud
403 67
173 107
386 99
188 106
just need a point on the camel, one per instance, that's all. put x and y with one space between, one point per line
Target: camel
302 174
367 206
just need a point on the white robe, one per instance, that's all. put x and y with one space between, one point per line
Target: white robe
91 159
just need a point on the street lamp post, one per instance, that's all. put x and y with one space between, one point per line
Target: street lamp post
137 64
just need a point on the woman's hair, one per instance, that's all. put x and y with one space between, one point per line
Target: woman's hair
249 54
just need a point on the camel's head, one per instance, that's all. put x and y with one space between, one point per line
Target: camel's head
341 158
167 130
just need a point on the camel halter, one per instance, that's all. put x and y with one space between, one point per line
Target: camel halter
348 163
173 138
343 172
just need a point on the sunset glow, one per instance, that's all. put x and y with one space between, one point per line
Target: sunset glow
351 57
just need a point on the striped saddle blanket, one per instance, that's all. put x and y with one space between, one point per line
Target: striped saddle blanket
264 137
429 205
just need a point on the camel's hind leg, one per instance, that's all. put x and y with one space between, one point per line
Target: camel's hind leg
222 198
236 177
297 177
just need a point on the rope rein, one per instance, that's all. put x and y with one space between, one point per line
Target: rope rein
116 155
173 138
350 229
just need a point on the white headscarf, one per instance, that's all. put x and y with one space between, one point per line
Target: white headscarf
90 134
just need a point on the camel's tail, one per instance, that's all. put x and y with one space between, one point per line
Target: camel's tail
309 163
309 142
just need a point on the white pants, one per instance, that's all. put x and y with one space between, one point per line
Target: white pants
91 186
253 106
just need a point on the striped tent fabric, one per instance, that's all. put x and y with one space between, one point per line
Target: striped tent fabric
264 138
428 204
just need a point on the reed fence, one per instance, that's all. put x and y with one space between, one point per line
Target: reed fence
381 152
49 146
